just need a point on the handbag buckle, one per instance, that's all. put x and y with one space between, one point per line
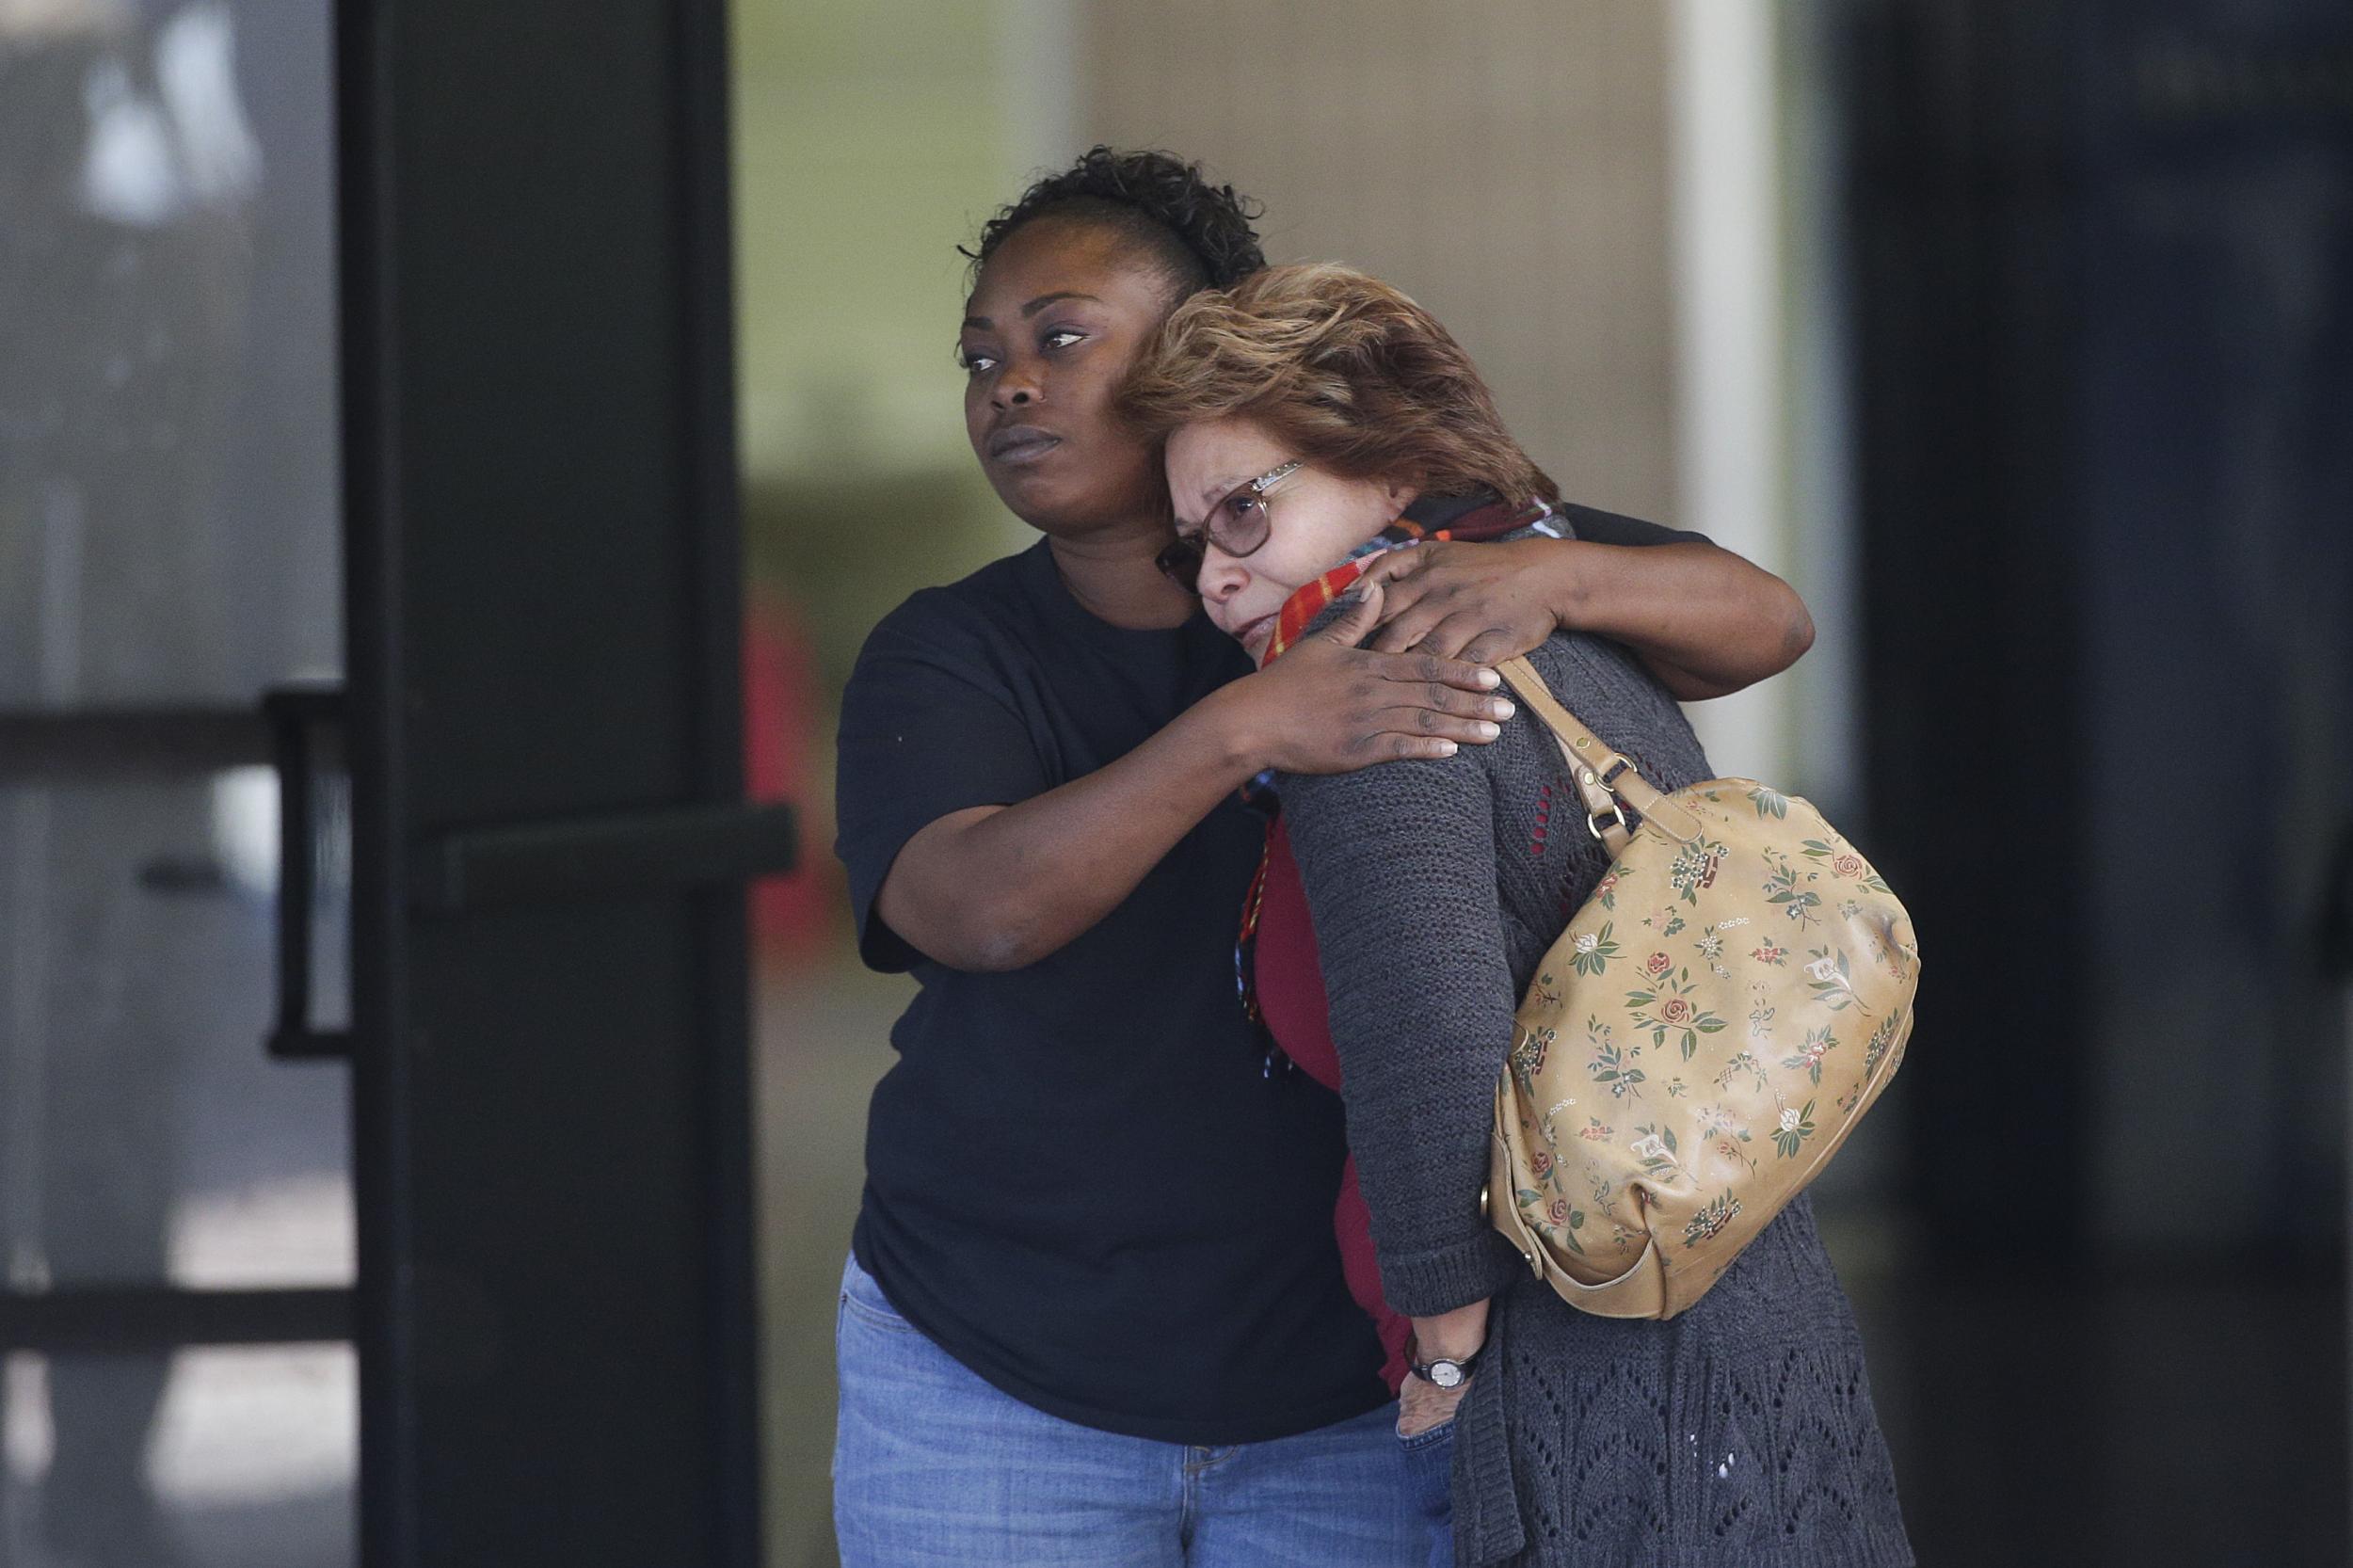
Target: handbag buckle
1616 814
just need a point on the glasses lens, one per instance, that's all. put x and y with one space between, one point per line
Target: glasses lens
1239 522
1181 562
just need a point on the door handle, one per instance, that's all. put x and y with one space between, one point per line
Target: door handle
299 719
624 852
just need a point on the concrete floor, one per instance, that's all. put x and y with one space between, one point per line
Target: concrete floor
824 1038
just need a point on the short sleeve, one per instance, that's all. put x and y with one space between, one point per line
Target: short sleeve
930 726
1597 527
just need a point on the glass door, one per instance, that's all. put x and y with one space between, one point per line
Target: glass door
373 1170
177 1383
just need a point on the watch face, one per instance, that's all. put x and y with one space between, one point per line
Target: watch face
1445 1374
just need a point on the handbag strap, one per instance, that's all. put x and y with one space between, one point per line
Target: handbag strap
1604 776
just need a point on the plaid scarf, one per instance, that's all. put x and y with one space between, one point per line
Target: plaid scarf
1473 519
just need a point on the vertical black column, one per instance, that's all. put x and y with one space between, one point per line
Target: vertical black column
551 1105
1964 342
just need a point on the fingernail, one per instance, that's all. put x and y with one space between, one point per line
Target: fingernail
1505 709
1445 748
1488 731
1490 679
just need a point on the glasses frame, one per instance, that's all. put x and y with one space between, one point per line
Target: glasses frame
1182 559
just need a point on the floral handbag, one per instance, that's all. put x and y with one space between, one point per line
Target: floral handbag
1701 1039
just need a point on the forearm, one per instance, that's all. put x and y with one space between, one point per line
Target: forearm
1000 888
1705 621
1421 1030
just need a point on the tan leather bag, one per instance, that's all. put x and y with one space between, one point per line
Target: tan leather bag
1712 1024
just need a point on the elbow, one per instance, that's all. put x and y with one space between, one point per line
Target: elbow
1797 630
979 936
997 937
1782 638
1000 953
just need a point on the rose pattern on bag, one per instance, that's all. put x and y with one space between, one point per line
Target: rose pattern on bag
1843 864
1727 1134
1612 1069
1820 939
1818 1043
1712 1220
1667 1007
1792 1130
1528 1057
1554 1218
1744 1061
1831 980
1590 951
1694 868
1656 1147
1786 887
1710 947
1875 1049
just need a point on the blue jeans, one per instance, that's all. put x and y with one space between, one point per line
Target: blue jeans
934 1468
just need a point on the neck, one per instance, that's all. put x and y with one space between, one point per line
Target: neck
1115 575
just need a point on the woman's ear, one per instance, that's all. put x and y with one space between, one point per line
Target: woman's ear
1400 495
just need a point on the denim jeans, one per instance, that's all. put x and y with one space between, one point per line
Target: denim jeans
934 1468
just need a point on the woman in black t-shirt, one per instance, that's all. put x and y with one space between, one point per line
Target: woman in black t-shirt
1096 1313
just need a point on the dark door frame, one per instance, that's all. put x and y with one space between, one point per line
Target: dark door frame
555 1313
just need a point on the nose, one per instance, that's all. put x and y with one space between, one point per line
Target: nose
1017 388
1222 576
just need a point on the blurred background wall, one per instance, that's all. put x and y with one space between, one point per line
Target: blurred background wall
2016 336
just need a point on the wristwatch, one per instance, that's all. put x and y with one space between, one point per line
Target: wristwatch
1445 1371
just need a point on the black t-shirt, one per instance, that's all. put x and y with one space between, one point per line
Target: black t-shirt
1079 1181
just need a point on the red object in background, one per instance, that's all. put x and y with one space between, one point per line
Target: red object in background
790 915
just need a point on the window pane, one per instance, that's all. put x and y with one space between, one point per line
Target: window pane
144 1136
241 1458
168 537
169 472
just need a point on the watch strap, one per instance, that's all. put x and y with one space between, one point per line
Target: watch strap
1466 1365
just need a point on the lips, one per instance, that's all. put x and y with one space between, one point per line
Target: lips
1017 444
1249 633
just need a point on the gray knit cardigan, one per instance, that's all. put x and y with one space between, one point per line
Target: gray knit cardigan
1737 1435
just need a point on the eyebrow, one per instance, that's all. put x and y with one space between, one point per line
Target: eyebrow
1213 493
1035 306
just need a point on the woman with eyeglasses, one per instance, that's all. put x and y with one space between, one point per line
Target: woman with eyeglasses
1095 1313
1317 420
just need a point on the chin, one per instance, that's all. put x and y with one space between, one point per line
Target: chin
1059 504
1034 497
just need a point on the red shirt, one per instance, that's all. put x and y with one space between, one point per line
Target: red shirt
1291 1000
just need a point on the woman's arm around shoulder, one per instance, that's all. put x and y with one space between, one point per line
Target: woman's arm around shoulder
1706 622
1004 866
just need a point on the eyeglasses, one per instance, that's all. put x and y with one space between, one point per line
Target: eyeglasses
1237 524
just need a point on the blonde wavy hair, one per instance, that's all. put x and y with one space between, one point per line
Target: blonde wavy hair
1343 370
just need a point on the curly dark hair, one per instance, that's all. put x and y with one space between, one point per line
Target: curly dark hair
1198 232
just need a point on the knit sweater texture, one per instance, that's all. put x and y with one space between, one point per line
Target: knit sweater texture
1739 1434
